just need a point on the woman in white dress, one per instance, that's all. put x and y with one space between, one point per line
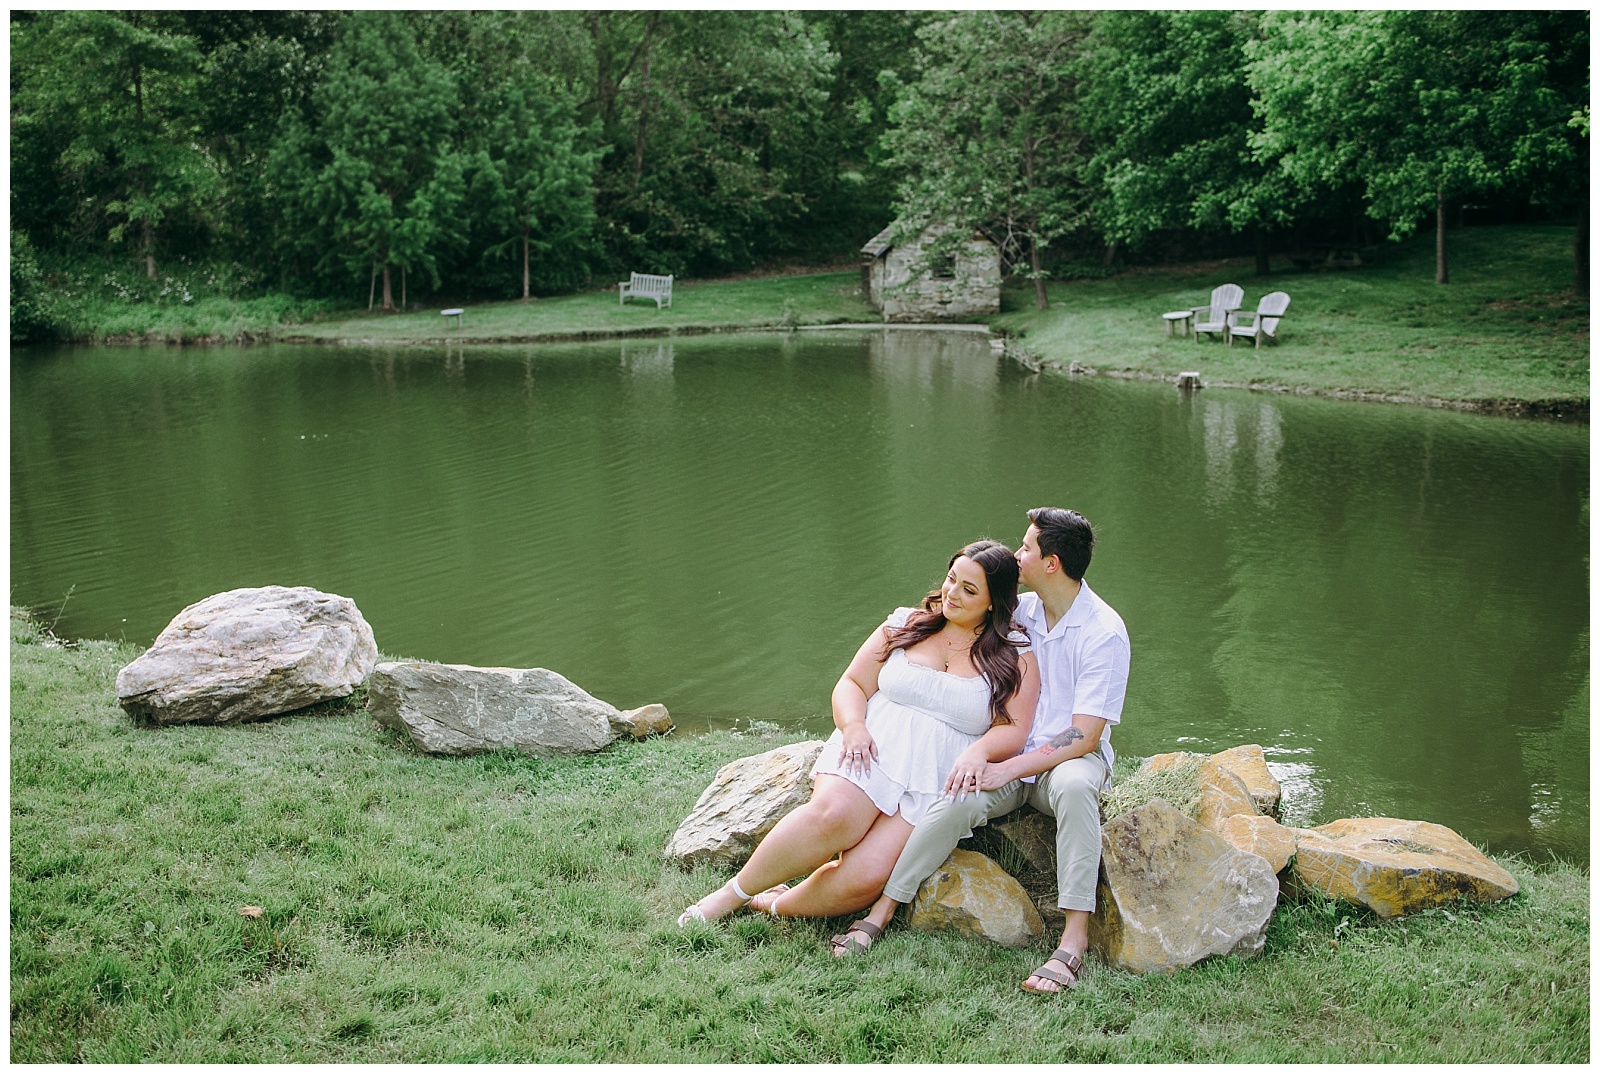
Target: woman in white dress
929 697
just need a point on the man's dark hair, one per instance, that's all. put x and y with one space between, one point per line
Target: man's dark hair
1067 535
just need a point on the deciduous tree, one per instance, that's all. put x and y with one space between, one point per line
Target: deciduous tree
1423 106
988 135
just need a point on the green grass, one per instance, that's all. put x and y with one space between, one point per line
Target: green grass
504 908
1508 329
697 305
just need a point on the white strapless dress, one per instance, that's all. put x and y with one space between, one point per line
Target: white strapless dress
921 718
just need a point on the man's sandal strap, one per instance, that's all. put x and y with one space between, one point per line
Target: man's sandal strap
1074 964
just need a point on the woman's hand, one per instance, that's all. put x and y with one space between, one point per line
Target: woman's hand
967 774
859 750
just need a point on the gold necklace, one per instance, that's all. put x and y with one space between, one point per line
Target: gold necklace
948 652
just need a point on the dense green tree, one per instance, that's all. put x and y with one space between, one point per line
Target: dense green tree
32 311
1164 99
531 179
988 136
711 117
1423 107
530 163
113 96
375 180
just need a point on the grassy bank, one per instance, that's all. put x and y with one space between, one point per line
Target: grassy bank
1507 329
1507 333
697 305
504 907
108 301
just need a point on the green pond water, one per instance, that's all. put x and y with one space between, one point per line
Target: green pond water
1393 601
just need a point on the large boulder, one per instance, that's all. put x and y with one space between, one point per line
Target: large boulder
742 804
1173 892
1249 763
457 709
1259 835
247 654
1395 866
971 895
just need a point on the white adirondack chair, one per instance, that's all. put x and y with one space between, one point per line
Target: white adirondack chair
1214 317
1263 322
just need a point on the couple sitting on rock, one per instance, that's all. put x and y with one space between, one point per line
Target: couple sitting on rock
950 714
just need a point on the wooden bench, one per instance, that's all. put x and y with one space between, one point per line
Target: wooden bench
643 285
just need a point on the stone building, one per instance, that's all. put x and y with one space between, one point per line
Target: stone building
898 280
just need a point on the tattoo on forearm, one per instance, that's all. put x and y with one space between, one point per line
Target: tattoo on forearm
1065 738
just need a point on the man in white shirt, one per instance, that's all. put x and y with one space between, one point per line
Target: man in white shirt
1082 648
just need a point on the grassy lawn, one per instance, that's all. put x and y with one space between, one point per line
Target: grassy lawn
818 298
1507 328
512 908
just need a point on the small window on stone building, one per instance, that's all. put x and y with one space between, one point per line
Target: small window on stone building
944 268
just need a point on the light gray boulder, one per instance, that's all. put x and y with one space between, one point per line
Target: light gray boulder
458 709
247 654
745 800
1173 892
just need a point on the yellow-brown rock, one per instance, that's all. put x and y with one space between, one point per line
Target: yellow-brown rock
1173 892
1259 835
1162 761
1222 795
1249 763
643 721
1396 866
971 895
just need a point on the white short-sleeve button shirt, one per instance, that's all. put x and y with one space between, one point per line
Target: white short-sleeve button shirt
1083 665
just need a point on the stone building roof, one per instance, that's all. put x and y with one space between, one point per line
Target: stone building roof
879 244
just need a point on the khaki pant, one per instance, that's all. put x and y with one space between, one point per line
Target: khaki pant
1070 792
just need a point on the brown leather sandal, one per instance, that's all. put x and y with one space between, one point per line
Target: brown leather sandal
856 939
1074 965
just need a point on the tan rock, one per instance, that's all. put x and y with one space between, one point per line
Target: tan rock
1163 761
1173 892
971 895
642 722
1249 763
1222 795
743 802
1259 835
1396 866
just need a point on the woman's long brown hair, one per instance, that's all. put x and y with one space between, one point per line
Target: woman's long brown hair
993 652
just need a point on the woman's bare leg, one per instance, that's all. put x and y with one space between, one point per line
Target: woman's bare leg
835 819
852 882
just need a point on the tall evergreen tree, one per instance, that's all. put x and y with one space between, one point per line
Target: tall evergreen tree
375 180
